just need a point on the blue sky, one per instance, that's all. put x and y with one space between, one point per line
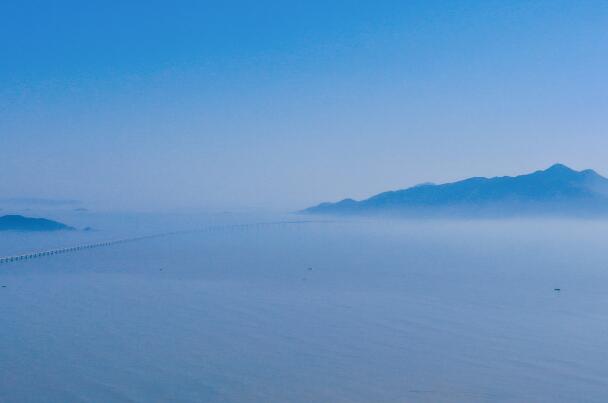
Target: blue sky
279 105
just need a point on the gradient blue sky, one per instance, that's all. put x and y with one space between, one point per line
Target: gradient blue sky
279 105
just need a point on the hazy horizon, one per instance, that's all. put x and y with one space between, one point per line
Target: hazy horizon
281 106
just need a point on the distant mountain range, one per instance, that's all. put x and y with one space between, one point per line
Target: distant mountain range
21 223
558 190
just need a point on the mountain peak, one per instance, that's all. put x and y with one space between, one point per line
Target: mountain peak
558 167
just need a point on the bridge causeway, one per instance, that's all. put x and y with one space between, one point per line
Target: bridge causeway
214 228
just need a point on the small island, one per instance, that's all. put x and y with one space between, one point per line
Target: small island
21 223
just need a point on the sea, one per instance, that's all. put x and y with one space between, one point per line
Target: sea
287 308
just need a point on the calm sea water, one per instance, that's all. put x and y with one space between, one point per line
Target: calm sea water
360 311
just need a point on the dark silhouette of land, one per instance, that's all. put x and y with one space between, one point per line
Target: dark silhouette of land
558 190
21 223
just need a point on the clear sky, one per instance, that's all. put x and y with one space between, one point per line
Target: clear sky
283 104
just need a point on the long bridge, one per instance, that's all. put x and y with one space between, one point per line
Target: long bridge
213 228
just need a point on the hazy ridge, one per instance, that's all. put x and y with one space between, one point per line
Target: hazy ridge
558 190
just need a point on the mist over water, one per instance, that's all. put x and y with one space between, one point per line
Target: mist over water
358 310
